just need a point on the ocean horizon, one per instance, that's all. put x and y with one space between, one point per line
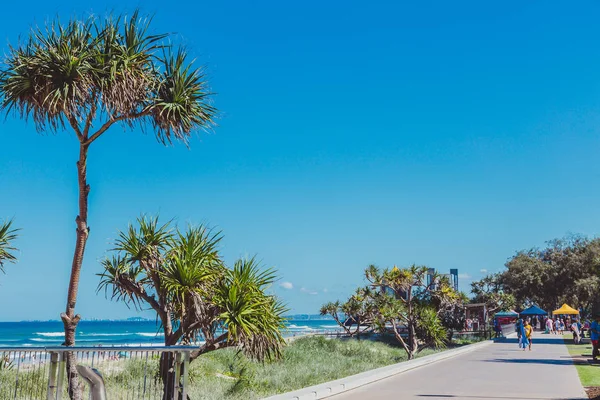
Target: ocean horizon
128 332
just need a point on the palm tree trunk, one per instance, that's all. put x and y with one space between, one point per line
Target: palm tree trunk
412 340
167 374
411 326
69 318
167 365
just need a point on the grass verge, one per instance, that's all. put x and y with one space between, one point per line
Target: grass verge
589 374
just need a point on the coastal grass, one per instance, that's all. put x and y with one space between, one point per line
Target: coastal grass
228 374
589 374
307 361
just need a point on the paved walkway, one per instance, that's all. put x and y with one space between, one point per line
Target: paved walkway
498 371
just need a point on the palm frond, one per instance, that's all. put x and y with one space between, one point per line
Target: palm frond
146 241
126 71
8 235
430 328
193 263
123 279
182 276
49 78
182 103
86 72
254 320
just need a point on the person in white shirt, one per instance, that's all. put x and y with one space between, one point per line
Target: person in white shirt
549 326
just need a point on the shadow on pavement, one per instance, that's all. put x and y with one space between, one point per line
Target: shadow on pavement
583 359
535 340
531 361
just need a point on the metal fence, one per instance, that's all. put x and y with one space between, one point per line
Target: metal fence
508 329
488 332
128 372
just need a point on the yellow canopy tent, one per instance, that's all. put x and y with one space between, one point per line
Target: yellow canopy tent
565 310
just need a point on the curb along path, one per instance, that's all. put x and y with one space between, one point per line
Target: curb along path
342 385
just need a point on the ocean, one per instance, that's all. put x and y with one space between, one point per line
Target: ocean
119 333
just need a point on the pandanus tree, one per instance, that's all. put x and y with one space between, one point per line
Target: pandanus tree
356 315
181 276
89 75
412 299
409 301
8 235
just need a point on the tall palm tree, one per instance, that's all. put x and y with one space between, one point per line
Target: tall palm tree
89 75
182 277
8 235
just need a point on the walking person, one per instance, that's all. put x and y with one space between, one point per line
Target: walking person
520 331
522 334
497 328
576 332
549 326
594 336
528 332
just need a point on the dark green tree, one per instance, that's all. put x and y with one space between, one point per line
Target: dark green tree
491 292
566 271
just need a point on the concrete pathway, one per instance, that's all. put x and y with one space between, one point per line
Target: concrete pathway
499 371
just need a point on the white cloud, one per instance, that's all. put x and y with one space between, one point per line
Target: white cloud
464 276
325 290
483 271
308 291
286 285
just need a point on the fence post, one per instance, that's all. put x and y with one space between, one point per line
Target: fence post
52 376
177 371
18 368
184 380
61 375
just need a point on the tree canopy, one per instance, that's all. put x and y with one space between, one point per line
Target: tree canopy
411 303
565 271
490 290
181 276
356 315
413 299
104 71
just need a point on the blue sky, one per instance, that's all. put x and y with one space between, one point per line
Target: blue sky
437 133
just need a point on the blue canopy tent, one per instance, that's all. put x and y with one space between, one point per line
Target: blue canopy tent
505 314
533 310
